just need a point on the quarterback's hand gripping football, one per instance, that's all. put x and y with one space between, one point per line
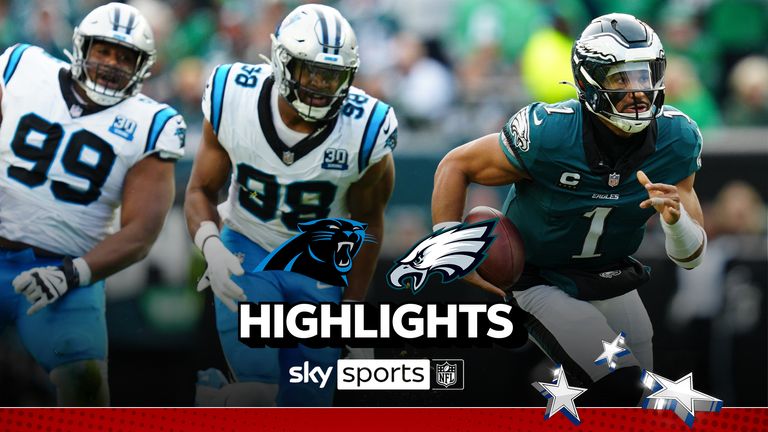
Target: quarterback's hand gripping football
44 285
222 264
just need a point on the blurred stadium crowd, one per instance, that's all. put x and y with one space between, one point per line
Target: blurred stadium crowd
457 66
454 70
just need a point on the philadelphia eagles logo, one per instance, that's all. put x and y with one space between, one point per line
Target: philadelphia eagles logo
451 253
600 47
323 250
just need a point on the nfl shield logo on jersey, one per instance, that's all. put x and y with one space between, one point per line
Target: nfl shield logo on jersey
613 179
288 157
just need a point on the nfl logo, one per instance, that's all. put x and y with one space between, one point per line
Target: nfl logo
613 179
445 374
288 157
75 111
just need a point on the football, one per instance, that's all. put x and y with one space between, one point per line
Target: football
506 256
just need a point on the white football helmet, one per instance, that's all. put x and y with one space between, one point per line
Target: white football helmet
314 60
619 48
118 24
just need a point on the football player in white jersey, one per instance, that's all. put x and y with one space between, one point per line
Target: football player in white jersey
300 144
77 141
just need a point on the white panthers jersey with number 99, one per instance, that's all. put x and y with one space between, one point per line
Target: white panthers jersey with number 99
62 166
275 187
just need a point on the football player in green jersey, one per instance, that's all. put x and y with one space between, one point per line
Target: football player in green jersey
586 176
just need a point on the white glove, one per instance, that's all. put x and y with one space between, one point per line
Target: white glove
222 264
44 285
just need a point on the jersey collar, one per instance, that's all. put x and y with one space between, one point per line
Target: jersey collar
628 163
75 106
288 155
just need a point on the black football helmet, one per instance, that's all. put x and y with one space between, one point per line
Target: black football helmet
616 55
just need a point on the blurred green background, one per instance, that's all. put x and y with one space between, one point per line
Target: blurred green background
454 70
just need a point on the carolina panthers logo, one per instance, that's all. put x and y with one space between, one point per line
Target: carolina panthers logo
323 250
452 253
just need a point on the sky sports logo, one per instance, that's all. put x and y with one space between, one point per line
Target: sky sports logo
382 374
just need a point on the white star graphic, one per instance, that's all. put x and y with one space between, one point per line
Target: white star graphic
611 350
679 396
560 396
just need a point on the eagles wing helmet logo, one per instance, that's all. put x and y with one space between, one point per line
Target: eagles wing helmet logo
452 253
598 47
323 250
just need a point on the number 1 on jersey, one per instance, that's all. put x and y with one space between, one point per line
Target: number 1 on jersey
596 227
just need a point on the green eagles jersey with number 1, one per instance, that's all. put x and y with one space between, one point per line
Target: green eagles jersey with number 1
578 212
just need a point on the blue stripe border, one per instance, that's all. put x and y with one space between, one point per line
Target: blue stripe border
375 121
159 121
217 94
10 68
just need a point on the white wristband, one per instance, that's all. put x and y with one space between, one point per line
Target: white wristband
83 271
683 239
207 230
444 225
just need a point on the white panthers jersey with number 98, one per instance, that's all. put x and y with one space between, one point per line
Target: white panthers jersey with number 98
275 187
62 166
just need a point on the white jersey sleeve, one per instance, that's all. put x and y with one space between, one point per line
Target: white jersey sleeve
166 135
213 95
386 135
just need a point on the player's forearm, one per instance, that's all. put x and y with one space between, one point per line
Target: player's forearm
450 191
199 206
129 245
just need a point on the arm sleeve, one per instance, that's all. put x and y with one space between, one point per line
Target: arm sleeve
9 61
698 145
379 137
166 135
515 141
213 95
387 138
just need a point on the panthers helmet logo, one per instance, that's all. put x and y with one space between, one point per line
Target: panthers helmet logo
451 253
323 250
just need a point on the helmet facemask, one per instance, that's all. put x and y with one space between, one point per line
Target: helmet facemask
108 84
316 90
629 94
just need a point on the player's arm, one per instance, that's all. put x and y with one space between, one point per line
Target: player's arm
481 161
366 200
209 174
148 191
681 219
